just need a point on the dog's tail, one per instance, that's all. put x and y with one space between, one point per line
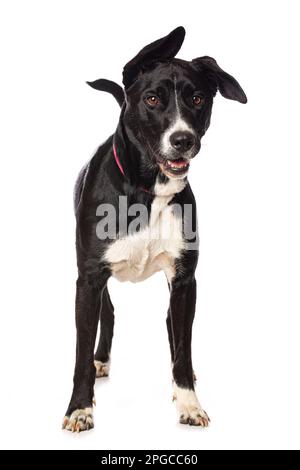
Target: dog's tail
110 87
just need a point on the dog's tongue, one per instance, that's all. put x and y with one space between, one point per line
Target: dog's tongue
180 163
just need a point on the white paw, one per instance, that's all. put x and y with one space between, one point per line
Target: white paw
80 420
102 368
189 408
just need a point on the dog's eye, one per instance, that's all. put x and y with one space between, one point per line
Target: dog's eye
197 100
152 100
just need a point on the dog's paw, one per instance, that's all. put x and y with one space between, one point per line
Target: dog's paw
102 368
194 417
189 408
80 420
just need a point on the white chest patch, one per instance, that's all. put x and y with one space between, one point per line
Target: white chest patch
152 249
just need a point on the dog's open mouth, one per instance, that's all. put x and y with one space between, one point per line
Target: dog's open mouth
176 167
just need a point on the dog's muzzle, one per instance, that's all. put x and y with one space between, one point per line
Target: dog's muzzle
182 141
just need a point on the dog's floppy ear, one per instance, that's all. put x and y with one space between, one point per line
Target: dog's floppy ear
162 49
226 84
110 87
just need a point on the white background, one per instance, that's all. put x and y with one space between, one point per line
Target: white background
246 181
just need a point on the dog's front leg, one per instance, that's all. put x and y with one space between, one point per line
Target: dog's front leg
79 415
182 309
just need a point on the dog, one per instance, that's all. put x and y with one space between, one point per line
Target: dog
166 107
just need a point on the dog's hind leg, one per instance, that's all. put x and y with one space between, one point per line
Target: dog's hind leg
102 355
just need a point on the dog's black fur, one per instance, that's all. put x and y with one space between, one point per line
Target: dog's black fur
151 73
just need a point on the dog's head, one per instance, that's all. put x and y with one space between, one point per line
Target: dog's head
169 102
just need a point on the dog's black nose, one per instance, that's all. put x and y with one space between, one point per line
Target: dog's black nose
182 141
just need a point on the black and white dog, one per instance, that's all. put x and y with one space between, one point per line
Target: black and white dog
166 109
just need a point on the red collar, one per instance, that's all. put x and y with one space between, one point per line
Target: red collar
118 160
122 170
